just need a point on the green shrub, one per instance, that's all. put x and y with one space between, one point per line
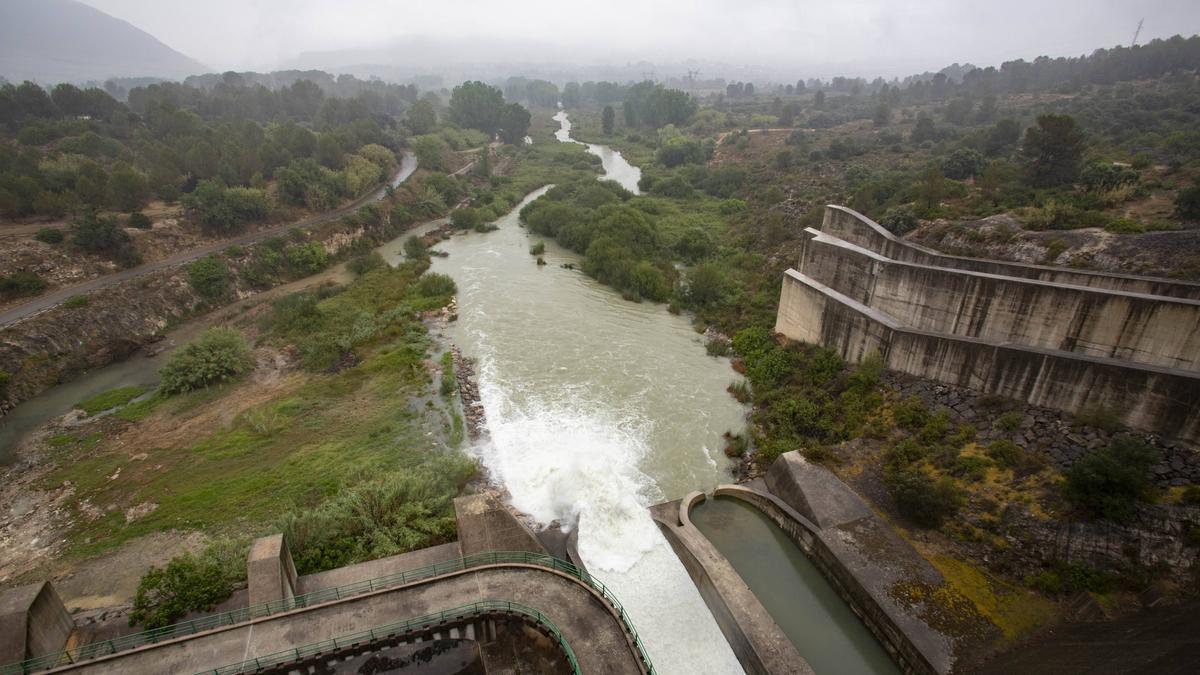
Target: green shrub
383 517
188 583
1055 248
234 251
76 301
538 248
414 249
209 277
465 218
140 221
900 220
362 264
717 348
110 399
1108 483
217 355
1010 421
449 382
1005 453
911 413
21 284
434 285
50 235
1046 581
925 501
307 259
970 468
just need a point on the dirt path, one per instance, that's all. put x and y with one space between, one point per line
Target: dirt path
43 302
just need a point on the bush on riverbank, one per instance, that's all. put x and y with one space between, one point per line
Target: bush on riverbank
219 354
188 583
400 513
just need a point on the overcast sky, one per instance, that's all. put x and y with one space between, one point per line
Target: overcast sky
815 37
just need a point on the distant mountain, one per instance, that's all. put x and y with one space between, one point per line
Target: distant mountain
51 41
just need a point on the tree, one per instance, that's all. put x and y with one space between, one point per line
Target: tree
92 233
932 187
883 114
421 117
1052 150
819 100
607 118
924 130
1107 483
513 123
962 163
477 105
1187 204
127 188
430 152
1002 137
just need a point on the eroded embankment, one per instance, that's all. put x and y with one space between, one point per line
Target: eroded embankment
64 341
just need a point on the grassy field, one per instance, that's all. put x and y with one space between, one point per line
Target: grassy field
233 458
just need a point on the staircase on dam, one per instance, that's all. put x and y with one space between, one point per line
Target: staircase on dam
1061 338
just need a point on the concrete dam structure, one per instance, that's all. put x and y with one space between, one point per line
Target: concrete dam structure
1061 338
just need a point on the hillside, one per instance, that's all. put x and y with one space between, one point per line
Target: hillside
53 41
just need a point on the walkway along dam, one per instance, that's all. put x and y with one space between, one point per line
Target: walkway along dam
1060 338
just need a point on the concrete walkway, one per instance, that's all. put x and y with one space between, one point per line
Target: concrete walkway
588 624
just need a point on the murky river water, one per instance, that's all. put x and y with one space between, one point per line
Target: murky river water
597 408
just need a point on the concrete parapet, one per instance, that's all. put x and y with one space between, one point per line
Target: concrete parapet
485 524
759 644
814 491
270 573
1153 398
858 229
33 622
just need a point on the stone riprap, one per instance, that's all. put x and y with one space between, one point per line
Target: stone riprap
1001 343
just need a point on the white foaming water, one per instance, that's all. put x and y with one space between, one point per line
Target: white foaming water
573 461
596 409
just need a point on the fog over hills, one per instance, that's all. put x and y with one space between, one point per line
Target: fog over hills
66 41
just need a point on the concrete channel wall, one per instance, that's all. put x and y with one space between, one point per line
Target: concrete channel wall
1082 319
857 229
1153 398
849 587
760 645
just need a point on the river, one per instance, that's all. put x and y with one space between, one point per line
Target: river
616 168
597 408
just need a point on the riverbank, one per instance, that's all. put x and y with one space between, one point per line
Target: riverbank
108 496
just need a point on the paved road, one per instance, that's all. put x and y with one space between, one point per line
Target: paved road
43 302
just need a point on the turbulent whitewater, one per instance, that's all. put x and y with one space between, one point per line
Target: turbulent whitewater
597 408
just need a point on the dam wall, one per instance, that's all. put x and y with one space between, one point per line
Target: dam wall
827 308
853 227
1137 327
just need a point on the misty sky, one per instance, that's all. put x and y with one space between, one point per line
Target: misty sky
812 37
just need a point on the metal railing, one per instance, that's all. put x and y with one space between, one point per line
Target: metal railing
399 629
236 616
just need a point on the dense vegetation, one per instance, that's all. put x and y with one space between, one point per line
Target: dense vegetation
1055 144
217 147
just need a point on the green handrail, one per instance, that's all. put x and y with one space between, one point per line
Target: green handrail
397 629
229 618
